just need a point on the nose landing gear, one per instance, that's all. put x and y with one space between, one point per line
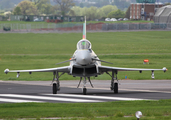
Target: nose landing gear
84 84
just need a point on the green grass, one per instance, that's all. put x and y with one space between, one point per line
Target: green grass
103 43
118 109
124 49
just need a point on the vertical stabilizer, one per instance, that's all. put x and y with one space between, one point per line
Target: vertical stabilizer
84 29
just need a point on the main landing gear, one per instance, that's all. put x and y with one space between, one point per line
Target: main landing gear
56 84
84 84
114 85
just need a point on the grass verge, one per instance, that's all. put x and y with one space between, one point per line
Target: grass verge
118 109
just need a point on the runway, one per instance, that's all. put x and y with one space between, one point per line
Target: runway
41 91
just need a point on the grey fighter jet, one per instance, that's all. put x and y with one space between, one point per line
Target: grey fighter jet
84 64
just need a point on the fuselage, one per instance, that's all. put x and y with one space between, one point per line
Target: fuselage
84 60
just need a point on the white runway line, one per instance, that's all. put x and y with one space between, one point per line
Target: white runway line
146 90
16 100
48 98
96 97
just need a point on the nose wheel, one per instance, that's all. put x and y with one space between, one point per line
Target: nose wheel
84 84
54 88
84 91
116 88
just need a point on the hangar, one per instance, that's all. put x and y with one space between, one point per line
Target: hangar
163 15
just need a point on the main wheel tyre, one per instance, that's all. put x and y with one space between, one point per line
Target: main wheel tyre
54 88
84 91
115 87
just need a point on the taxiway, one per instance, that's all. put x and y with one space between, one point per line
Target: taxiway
41 91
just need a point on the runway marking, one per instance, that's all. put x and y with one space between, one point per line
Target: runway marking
96 97
146 90
16 100
48 98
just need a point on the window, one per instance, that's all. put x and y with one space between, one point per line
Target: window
83 44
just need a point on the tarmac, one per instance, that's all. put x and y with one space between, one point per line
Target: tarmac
41 91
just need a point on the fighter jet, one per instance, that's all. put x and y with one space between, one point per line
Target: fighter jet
84 64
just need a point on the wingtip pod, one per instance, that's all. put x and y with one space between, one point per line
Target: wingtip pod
6 71
165 69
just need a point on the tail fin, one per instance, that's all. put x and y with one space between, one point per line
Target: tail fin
84 29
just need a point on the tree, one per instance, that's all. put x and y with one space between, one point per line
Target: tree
91 13
17 10
64 5
7 14
56 9
100 14
116 14
35 1
41 3
107 9
77 10
44 7
71 13
27 8
127 14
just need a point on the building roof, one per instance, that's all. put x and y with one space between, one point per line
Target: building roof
163 15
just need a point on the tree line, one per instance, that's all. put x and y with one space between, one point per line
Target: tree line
66 7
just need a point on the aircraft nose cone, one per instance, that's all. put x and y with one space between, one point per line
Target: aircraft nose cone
83 57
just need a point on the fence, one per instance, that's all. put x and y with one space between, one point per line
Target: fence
78 27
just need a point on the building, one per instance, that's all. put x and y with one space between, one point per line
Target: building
163 15
45 18
143 11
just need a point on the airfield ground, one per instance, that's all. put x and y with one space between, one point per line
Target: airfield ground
124 49
70 103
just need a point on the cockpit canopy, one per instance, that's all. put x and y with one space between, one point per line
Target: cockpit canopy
83 44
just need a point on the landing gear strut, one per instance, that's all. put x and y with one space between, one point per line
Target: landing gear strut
84 84
56 84
114 85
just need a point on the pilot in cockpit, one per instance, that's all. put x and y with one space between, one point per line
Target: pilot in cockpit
83 44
